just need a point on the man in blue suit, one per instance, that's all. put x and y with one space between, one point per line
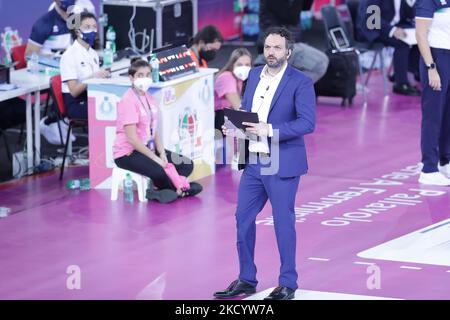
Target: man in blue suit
396 16
285 101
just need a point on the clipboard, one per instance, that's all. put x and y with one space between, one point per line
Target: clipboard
234 118
233 123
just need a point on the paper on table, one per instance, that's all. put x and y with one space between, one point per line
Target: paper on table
7 87
410 36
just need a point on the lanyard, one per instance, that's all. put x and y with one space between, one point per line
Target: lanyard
149 110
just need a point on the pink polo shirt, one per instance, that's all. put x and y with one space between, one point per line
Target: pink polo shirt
225 83
132 111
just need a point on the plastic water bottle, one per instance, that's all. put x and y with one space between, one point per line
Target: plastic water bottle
306 18
35 59
154 63
33 63
111 39
4 212
85 184
73 184
108 58
8 45
128 188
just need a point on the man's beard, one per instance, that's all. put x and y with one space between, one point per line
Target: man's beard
275 63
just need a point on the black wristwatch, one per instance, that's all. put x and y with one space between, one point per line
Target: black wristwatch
431 66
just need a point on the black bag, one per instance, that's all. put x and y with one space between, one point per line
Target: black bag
340 78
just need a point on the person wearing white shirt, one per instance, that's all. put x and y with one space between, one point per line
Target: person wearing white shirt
262 100
50 32
284 99
80 62
433 37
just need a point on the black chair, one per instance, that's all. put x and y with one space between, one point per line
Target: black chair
332 19
377 47
5 140
12 114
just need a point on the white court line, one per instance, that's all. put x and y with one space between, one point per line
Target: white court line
301 294
448 271
364 263
411 268
318 259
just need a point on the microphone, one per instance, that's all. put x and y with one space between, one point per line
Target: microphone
267 89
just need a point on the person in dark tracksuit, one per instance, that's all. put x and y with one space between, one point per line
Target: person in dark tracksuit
433 37
396 16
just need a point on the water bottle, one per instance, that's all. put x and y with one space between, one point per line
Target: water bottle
73 184
35 58
4 212
33 63
111 39
8 45
128 188
306 18
154 63
108 58
85 184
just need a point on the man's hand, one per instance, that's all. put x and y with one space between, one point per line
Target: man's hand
225 131
434 79
260 129
399 33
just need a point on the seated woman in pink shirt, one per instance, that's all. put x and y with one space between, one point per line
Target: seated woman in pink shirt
229 82
138 146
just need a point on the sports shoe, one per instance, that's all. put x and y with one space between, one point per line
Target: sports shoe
162 196
445 170
434 178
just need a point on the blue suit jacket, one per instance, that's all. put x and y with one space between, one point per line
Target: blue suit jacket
387 9
292 113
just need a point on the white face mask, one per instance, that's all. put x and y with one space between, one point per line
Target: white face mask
241 72
143 84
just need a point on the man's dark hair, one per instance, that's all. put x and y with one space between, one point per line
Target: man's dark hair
207 34
283 32
136 64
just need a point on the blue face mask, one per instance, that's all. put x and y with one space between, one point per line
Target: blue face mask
89 37
65 4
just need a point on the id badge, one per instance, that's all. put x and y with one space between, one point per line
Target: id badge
151 144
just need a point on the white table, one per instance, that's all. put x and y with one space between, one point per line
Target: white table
29 85
38 82
180 100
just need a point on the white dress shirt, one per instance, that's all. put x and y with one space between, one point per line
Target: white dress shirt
262 100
